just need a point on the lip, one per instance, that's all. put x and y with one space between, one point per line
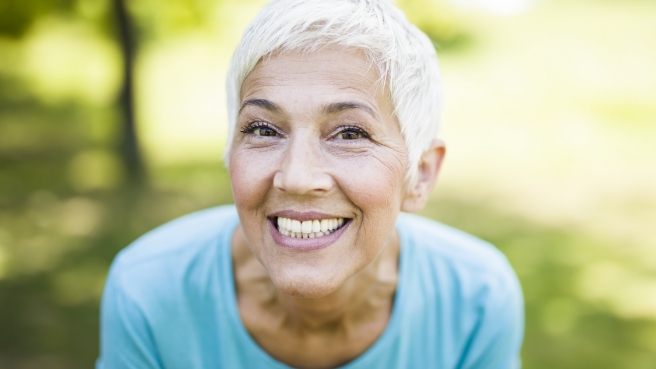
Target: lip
303 215
305 244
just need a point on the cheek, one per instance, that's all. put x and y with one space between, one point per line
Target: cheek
250 178
375 185
380 207
376 191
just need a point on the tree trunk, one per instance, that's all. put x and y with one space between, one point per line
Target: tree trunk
130 152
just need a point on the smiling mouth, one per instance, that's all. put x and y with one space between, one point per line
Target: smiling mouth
308 228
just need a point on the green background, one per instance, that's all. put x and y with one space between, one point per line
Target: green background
549 118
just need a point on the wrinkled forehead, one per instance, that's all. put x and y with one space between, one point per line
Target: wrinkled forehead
344 66
329 72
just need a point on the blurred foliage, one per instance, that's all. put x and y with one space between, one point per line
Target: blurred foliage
17 16
441 21
549 118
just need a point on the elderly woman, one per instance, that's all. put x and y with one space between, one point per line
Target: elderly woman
333 110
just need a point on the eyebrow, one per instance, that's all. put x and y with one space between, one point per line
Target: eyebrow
261 103
347 105
331 108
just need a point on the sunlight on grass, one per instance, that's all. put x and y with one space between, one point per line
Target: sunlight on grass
4 252
499 7
559 316
626 292
47 230
181 91
79 284
95 169
79 216
65 60
526 119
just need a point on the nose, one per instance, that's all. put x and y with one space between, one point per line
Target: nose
302 170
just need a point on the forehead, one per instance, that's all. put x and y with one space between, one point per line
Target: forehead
332 72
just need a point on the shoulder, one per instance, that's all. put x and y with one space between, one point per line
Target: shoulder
469 267
467 289
180 235
161 288
188 244
439 240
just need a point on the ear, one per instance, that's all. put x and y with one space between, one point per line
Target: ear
427 171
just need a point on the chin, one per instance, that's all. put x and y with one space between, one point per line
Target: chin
310 286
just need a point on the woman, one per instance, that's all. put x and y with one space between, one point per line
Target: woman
333 106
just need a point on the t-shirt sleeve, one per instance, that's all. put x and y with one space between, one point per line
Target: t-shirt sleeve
496 340
126 341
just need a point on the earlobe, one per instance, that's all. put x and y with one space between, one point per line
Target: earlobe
427 170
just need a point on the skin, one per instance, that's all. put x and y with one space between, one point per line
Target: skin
316 132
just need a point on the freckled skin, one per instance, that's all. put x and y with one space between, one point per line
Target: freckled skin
321 308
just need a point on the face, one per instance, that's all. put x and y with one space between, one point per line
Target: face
317 167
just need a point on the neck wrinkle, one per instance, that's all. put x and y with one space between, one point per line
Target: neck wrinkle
365 295
359 299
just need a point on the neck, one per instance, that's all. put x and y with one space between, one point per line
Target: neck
365 295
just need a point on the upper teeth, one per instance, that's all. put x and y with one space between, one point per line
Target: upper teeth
308 228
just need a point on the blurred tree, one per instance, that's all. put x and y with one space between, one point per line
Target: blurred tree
16 19
16 16
129 142
159 19
441 21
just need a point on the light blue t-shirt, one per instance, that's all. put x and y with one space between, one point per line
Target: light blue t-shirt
170 302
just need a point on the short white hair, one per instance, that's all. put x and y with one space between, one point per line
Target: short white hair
402 53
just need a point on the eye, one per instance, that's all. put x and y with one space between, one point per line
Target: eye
351 133
261 129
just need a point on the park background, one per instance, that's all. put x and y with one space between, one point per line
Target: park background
549 117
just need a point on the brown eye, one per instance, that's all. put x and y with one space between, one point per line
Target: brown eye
352 133
260 129
264 132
